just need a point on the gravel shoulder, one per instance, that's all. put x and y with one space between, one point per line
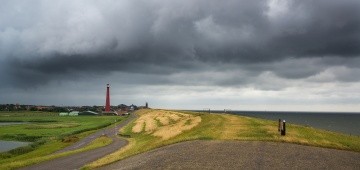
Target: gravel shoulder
78 160
239 155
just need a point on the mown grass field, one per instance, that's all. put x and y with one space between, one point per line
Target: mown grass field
156 128
49 133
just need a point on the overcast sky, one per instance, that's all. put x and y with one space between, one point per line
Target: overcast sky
187 54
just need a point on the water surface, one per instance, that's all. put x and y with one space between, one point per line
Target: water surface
8 145
347 123
11 123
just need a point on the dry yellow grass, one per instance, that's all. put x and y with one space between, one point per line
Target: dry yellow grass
138 126
150 124
171 123
167 132
164 120
175 116
234 125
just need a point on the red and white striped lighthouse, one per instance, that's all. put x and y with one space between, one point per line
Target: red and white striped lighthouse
107 105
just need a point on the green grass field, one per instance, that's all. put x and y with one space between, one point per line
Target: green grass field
48 133
142 133
41 126
153 129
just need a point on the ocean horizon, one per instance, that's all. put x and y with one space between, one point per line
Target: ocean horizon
342 122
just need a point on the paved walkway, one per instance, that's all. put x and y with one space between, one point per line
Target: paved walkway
78 160
240 155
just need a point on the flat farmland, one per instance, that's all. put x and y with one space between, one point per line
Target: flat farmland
40 125
48 133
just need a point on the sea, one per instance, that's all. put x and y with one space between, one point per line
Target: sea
343 122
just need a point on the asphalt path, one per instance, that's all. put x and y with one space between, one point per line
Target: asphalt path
78 160
240 155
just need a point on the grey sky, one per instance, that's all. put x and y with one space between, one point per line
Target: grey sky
237 54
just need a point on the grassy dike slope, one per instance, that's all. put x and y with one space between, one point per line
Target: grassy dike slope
156 128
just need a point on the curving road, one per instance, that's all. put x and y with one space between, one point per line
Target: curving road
78 160
240 155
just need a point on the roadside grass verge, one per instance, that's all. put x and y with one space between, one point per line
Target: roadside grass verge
219 127
18 162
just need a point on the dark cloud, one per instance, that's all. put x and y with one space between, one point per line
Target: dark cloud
204 42
321 28
159 32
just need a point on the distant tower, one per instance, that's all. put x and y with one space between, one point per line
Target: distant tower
107 106
146 105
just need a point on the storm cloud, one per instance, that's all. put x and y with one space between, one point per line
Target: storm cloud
273 45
